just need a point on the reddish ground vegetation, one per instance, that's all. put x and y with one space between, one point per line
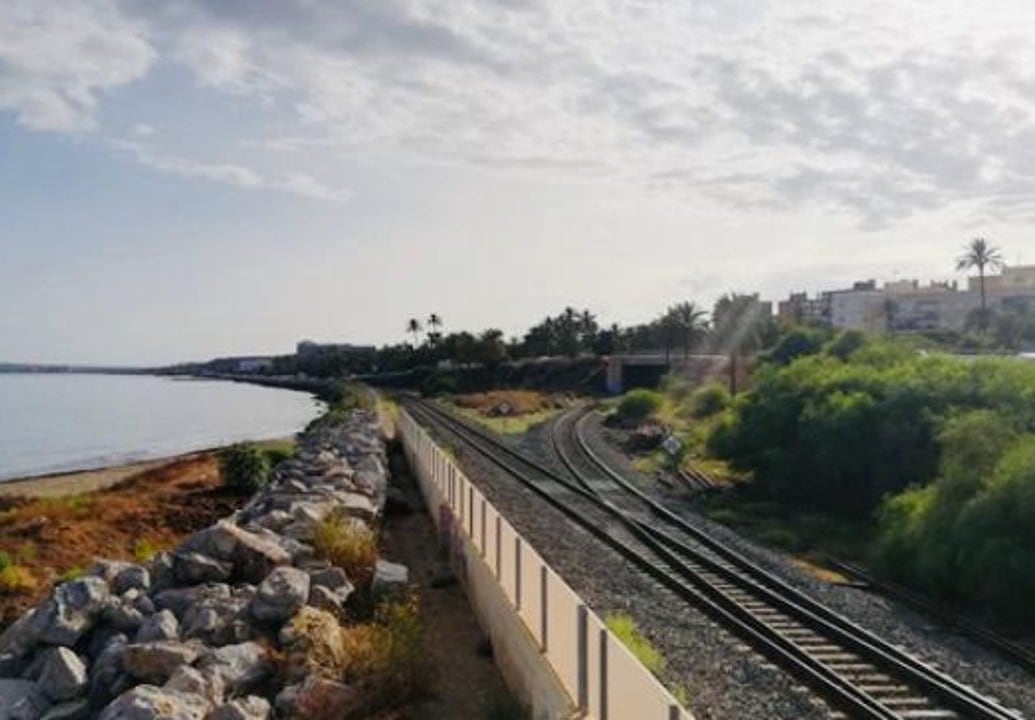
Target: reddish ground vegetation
150 511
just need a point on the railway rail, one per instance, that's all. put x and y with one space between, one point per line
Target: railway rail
853 670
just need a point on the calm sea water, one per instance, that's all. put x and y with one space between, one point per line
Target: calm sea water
54 423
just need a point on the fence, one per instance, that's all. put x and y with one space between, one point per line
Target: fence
599 674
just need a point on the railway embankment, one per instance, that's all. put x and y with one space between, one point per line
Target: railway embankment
265 611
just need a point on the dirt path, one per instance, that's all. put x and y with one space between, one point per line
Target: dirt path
467 683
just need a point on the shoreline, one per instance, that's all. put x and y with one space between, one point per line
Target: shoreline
87 480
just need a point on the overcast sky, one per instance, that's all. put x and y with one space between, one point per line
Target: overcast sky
180 180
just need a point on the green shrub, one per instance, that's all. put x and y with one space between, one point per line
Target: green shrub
846 343
244 467
709 400
638 405
968 537
5 560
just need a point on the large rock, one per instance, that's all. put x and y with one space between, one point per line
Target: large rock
194 568
21 700
156 661
239 668
64 675
281 594
133 577
179 600
253 555
16 642
163 625
252 707
147 702
389 578
190 680
220 621
72 610
107 671
319 697
71 710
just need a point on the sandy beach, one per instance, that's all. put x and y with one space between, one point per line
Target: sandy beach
84 481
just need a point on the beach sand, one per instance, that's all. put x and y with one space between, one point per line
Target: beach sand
86 481
82 481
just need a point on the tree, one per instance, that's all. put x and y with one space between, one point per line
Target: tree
690 320
413 327
434 322
979 254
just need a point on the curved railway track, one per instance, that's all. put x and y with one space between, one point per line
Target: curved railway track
852 669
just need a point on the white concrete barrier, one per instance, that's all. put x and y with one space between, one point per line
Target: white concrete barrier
556 654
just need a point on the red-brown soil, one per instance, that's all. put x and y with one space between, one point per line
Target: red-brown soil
152 510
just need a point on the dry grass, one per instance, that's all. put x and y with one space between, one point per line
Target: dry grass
17 579
386 655
349 544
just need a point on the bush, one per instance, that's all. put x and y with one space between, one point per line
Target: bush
5 560
244 467
968 537
709 400
846 343
349 544
638 405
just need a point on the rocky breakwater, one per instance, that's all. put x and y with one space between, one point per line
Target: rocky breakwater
204 631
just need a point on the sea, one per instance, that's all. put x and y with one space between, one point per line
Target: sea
52 423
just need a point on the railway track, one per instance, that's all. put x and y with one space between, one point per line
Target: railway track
854 671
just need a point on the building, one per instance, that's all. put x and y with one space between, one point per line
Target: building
254 365
862 307
800 308
308 348
937 306
1013 280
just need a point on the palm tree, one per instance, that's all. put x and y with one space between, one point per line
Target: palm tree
690 319
413 327
979 254
433 324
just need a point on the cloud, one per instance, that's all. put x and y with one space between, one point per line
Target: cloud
56 58
876 112
237 175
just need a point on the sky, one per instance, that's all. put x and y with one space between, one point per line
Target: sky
198 178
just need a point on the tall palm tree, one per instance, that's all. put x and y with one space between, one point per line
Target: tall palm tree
433 325
690 320
979 254
413 327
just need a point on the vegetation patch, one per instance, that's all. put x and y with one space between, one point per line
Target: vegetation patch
932 456
508 412
244 468
625 629
349 544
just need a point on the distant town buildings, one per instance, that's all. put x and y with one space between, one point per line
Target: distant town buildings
308 348
905 305
254 365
